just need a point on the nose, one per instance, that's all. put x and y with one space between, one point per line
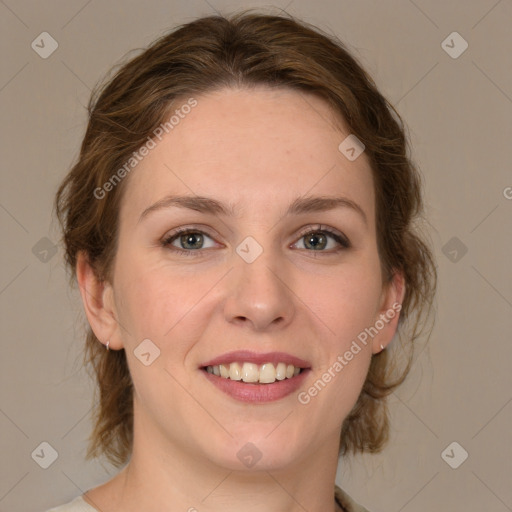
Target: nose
259 294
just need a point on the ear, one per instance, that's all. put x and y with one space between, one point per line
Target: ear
98 301
386 321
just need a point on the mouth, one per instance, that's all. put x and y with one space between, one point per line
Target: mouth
252 377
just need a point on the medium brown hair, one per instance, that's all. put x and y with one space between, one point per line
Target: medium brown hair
247 49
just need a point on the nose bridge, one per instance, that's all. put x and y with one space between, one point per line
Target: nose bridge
258 292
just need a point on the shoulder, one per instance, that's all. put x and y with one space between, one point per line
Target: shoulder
346 502
76 505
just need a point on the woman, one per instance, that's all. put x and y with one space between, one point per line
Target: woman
239 223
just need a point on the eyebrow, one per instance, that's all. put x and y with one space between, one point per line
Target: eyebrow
301 205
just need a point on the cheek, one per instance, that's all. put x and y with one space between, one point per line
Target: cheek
157 303
345 301
345 304
142 296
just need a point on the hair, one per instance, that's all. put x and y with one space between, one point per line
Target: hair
244 50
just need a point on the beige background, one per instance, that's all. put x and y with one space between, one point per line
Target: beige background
459 115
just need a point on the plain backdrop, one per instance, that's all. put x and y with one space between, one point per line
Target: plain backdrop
458 111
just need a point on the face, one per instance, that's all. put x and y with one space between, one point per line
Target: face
275 272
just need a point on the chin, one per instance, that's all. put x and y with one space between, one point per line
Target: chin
254 452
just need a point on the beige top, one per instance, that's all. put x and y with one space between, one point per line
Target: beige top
80 505
346 502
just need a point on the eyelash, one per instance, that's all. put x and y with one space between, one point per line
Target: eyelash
340 239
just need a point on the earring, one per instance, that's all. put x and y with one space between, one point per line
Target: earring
108 343
381 347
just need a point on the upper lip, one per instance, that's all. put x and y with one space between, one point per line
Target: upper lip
257 358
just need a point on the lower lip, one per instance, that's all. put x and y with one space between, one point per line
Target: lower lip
247 392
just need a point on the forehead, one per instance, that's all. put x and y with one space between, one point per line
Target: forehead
251 148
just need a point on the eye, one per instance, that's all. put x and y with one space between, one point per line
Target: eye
317 239
187 241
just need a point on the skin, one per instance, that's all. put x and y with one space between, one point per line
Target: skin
260 149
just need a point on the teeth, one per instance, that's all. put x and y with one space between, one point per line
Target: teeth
280 371
267 373
224 371
235 372
252 373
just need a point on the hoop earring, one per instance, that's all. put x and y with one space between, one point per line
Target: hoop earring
108 343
